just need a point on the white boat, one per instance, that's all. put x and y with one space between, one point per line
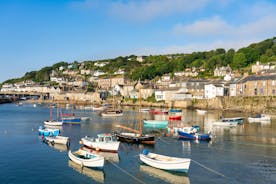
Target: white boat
165 162
112 113
57 139
85 118
259 118
201 111
104 142
87 159
53 122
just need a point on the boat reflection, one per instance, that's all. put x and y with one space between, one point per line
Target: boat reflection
96 175
170 177
114 157
59 147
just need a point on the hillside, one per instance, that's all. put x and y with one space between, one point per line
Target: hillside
157 65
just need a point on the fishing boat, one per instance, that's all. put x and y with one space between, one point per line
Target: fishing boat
165 162
175 117
52 122
135 136
87 159
194 136
103 142
155 123
48 131
259 118
58 140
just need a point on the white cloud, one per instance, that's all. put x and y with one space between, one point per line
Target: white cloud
213 26
149 9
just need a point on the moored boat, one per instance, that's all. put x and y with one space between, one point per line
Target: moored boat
175 117
165 162
48 131
175 110
87 159
195 136
201 111
58 139
157 111
53 122
111 113
259 118
135 136
103 142
155 123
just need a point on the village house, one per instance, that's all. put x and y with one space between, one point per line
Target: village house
194 87
222 71
260 68
213 90
100 64
170 94
108 83
257 85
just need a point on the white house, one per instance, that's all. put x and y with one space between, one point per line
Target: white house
98 73
213 90
233 89
159 95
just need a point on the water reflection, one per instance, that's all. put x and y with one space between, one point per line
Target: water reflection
170 177
96 175
59 147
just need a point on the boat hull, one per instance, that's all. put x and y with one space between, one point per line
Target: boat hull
53 123
112 146
165 162
155 124
58 140
184 135
135 138
81 157
48 132
175 118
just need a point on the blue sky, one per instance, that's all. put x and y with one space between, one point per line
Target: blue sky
36 33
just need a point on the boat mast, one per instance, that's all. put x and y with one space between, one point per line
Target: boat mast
140 114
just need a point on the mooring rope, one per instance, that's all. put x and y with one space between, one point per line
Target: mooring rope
124 171
209 169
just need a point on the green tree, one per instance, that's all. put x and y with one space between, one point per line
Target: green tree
239 60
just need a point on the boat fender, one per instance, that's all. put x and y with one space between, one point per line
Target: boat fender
145 152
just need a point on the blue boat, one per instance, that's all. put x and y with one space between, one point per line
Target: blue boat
175 110
71 120
48 131
195 136
155 123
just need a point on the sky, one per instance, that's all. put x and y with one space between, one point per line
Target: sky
35 33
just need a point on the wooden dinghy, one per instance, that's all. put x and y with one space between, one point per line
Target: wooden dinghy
165 162
57 139
87 159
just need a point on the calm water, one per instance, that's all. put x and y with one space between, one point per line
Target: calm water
246 154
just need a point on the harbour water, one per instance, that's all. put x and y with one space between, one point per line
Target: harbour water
244 154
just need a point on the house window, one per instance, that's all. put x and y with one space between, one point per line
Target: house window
261 91
264 83
273 83
255 84
245 86
255 91
273 92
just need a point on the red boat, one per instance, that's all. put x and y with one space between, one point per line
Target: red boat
154 111
175 117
